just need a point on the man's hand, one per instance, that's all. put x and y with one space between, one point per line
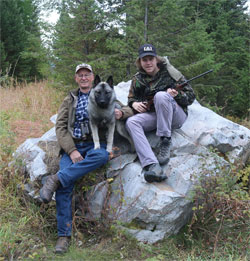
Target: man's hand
139 106
172 92
76 156
118 114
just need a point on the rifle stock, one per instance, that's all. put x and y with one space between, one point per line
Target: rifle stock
180 86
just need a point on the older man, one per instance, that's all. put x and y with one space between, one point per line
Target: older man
78 154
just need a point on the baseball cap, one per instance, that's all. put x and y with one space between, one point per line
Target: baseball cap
83 66
147 49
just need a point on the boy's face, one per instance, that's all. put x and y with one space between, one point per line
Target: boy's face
149 64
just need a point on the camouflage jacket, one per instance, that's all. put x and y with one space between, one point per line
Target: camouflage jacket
144 87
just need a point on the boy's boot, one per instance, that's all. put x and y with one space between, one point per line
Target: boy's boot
164 147
155 173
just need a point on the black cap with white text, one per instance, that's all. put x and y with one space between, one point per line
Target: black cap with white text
147 49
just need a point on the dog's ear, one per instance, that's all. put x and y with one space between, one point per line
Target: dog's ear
97 80
110 81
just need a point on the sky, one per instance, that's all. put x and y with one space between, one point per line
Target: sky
51 17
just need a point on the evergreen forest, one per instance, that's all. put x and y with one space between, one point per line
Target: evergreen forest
196 35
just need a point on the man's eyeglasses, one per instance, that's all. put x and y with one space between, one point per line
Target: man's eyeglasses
84 75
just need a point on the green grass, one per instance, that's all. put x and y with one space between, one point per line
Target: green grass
6 136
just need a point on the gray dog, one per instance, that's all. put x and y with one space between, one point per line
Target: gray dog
101 110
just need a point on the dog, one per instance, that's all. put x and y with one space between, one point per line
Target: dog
101 110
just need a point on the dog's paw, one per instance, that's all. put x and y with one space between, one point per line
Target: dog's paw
97 147
114 153
111 155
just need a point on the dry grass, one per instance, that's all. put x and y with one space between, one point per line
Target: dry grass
37 98
29 107
25 112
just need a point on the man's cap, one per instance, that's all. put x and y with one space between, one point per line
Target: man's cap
147 49
83 66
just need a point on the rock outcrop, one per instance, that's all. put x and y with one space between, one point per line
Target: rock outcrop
151 211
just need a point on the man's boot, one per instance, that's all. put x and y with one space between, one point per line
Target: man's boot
62 245
164 147
48 189
154 173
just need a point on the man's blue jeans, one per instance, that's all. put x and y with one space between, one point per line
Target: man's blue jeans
68 174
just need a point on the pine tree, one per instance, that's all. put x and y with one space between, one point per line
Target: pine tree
80 36
166 24
131 22
21 40
226 22
12 35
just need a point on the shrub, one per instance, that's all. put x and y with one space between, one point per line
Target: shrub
221 213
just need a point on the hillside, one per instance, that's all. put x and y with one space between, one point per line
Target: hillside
27 231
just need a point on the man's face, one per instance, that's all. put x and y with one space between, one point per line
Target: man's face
84 78
149 64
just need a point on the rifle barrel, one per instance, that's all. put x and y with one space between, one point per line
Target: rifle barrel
200 75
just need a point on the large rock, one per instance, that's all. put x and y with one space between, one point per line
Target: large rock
151 211
160 209
35 151
208 129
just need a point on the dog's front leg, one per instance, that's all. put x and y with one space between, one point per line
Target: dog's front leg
95 135
111 130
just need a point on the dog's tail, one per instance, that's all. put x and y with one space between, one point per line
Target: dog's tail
120 128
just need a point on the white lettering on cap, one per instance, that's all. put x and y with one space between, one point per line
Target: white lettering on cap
148 48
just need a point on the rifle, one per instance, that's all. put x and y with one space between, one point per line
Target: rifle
177 87
180 86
